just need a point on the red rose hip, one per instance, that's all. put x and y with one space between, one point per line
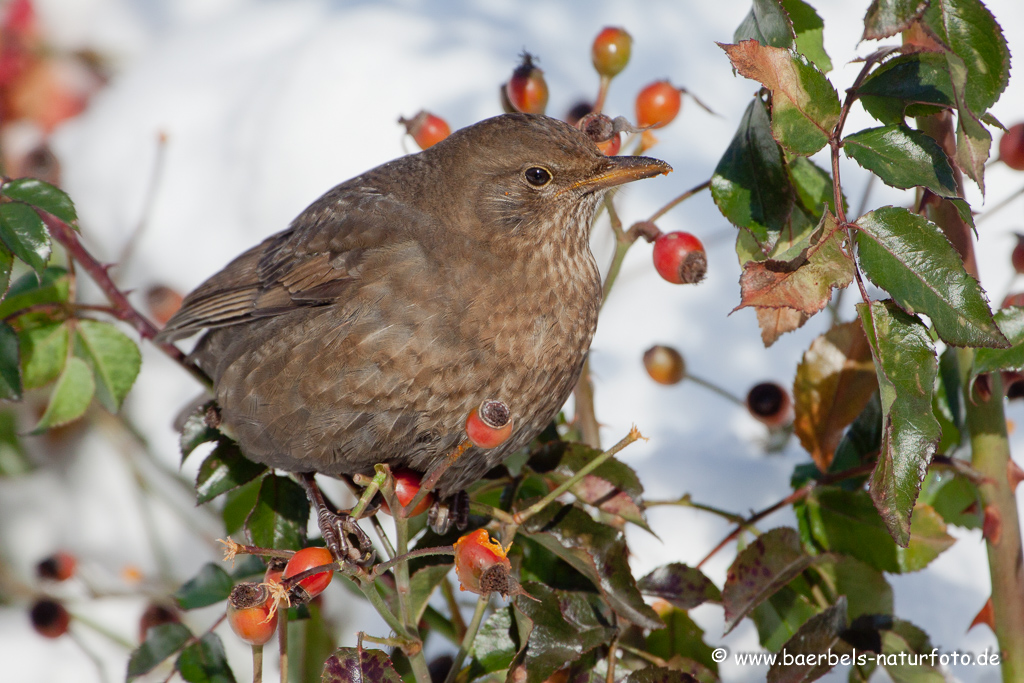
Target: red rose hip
664 364
1011 147
657 105
610 52
527 91
252 613
426 129
307 558
679 258
489 425
770 404
407 485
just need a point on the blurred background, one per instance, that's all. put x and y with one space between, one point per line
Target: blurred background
188 130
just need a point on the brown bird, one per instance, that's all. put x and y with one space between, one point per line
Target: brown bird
400 300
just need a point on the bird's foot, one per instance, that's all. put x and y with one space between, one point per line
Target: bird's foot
453 510
343 537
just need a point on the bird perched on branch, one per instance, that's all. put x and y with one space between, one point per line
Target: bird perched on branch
401 299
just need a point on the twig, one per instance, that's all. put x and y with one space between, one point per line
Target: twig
468 638
680 199
147 203
379 569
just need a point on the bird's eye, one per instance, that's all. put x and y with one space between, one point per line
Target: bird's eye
538 176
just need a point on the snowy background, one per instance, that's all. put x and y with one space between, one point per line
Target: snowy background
266 105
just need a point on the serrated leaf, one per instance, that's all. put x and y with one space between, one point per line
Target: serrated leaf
613 487
1011 324
30 290
10 364
204 661
114 358
768 23
954 497
805 283
352 665
780 616
562 626
161 642
750 185
847 522
775 322
813 186
809 29
909 257
906 367
888 17
42 195
833 383
223 470
902 649
25 234
968 28
820 635
44 352
596 550
683 586
495 645
70 397
973 141
759 570
805 106
211 585
681 638
902 158
893 90
280 516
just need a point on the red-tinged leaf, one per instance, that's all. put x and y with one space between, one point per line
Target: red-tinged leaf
819 635
762 568
906 366
355 665
805 283
973 141
986 615
805 106
888 17
833 383
775 322
909 257
613 487
683 586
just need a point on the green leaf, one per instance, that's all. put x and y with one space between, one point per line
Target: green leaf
238 504
44 352
596 550
205 662
196 431
864 587
211 585
820 635
161 642
495 645
750 185
902 158
888 17
41 195
280 516
681 637
906 366
25 234
759 570
804 283
562 625
834 381
114 358
813 187
6 265
1011 324
970 31
422 585
780 617
900 87
223 470
768 23
14 461
352 665
10 364
973 141
809 29
30 290
955 498
805 106
902 649
847 522
683 586
910 258
656 674
70 397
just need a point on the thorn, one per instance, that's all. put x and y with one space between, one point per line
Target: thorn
1014 474
992 527
986 615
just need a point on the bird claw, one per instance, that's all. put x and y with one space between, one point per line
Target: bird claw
347 542
443 514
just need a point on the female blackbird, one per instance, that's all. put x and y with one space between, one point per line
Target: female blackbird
398 301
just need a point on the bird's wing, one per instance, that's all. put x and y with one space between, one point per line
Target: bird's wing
312 263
